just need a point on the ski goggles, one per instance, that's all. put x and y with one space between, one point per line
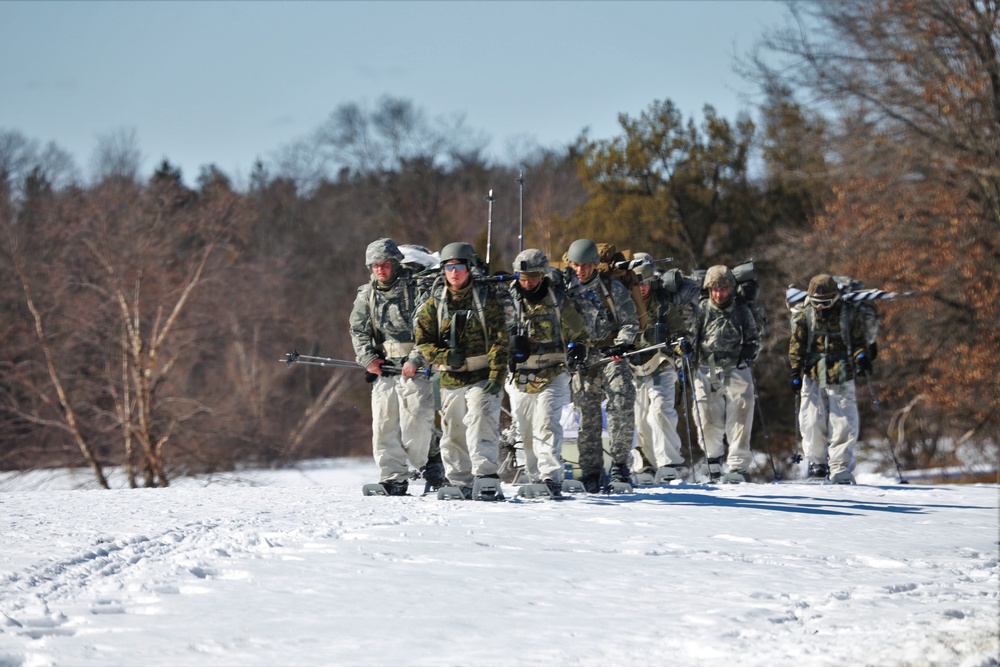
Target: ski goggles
825 301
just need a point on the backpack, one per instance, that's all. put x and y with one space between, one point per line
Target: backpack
748 289
857 303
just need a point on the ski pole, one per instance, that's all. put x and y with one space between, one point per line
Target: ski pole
658 346
489 230
878 409
520 229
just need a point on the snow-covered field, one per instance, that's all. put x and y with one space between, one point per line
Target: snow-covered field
298 568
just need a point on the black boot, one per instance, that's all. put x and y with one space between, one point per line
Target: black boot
395 487
818 471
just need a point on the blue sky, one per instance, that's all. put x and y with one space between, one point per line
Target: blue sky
228 82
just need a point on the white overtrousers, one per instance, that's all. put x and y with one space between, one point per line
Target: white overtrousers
470 433
656 417
538 422
726 412
829 423
402 424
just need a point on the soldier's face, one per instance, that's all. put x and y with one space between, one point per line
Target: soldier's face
719 295
456 273
382 270
529 281
583 271
644 289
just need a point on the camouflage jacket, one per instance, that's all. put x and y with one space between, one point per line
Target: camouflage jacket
659 309
616 300
825 345
475 324
550 324
720 333
382 320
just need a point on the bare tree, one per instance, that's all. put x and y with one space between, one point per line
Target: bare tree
117 155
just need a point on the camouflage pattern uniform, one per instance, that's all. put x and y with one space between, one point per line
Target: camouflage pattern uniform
825 361
381 326
725 337
611 380
538 387
470 416
656 380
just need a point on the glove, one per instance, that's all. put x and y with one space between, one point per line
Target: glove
747 352
576 353
863 363
456 358
683 347
492 387
616 350
796 375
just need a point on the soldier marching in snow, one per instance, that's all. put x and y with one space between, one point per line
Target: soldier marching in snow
462 331
550 333
381 327
655 376
726 343
614 332
828 348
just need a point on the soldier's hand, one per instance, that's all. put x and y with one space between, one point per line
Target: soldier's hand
492 387
796 379
409 370
456 358
683 347
747 352
863 363
375 367
576 353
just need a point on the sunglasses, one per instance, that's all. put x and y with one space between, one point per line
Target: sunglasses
455 267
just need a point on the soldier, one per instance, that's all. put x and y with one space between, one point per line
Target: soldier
656 376
828 343
461 329
381 326
549 333
614 333
726 343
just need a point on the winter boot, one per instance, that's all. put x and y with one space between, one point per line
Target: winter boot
619 473
818 472
555 488
735 477
667 474
843 477
487 487
395 487
714 466
592 482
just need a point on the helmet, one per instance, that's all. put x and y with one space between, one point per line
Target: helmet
719 276
583 251
531 260
823 291
381 250
643 267
460 251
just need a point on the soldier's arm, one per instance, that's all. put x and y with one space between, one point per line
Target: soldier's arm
575 329
426 334
797 343
499 343
628 316
365 346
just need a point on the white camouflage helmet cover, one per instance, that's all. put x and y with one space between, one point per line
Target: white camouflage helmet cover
381 250
531 260
643 267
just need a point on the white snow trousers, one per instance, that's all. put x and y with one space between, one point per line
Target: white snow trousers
829 423
470 433
656 417
726 412
538 422
402 424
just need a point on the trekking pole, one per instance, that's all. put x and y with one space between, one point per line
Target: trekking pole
687 419
520 229
763 425
489 230
878 409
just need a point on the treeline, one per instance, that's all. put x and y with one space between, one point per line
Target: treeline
144 319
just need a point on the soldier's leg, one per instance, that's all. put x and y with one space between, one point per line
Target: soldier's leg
521 410
482 422
416 418
645 418
663 399
547 410
844 426
454 446
710 413
387 445
620 392
739 418
588 404
813 422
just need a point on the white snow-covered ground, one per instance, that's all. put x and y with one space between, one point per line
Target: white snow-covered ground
298 568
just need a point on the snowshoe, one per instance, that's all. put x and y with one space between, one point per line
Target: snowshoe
714 469
573 486
621 481
487 487
373 490
644 478
390 487
735 477
450 492
667 474
843 477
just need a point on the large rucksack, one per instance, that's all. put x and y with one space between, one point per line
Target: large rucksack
857 303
